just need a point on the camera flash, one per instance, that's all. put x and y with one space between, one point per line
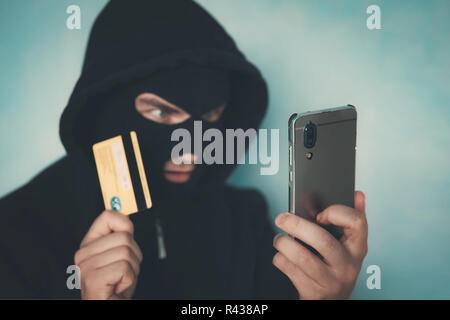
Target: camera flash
309 155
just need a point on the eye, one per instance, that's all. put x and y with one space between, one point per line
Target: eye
209 114
155 108
159 113
215 114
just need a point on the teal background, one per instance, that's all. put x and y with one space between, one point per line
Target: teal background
314 54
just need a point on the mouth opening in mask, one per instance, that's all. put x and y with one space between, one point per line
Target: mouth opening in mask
179 173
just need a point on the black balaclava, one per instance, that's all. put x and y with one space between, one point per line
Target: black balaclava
193 88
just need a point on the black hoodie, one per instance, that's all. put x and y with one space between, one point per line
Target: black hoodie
219 242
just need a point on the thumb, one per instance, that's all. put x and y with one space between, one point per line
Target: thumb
360 201
107 222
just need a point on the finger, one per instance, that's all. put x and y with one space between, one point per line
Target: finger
128 280
354 225
360 206
303 258
360 201
305 285
107 242
109 256
352 220
107 222
314 235
109 281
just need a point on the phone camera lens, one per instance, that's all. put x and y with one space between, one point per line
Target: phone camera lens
309 135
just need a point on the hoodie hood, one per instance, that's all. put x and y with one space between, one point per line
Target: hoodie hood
129 42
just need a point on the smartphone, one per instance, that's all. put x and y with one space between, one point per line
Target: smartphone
322 147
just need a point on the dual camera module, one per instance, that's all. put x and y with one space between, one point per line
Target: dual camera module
309 135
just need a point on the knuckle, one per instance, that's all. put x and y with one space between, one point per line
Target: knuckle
128 277
124 237
77 257
303 258
288 266
127 271
82 266
125 221
329 243
124 266
129 224
125 252
333 207
359 222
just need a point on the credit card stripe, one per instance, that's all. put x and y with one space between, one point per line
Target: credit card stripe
135 180
140 165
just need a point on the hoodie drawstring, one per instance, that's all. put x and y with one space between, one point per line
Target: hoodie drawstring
160 240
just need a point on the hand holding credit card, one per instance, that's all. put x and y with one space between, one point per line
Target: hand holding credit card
121 174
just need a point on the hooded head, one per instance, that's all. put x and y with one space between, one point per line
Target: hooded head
171 51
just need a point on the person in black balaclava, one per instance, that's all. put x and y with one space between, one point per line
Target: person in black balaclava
154 107
152 67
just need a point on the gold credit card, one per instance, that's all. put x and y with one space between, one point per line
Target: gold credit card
121 174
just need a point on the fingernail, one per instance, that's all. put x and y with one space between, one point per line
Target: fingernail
281 218
276 238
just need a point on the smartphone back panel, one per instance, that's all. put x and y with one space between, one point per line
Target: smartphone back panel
322 161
